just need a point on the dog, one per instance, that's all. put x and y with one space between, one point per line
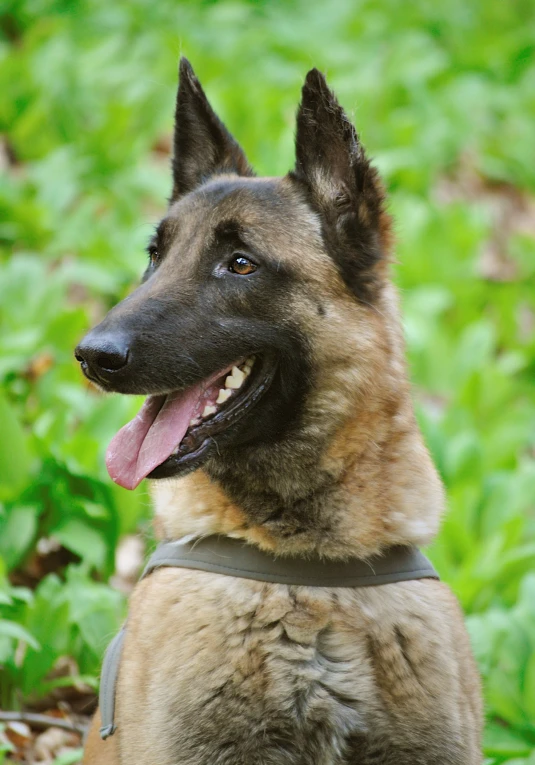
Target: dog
279 291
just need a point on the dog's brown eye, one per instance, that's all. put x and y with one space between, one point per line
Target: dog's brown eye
242 265
153 255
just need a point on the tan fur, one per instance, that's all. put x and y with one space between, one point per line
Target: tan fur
224 671
191 633
391 491
383 655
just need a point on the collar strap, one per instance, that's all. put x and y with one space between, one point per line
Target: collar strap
232 557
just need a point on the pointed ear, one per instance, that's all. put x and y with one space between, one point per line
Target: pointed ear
203 147
342 185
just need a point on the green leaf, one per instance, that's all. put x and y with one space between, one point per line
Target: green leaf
83 540
67 682
15 454
17 533
47 618
69 758
500 741
529 684
17 632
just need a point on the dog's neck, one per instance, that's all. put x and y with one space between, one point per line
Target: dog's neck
349 486
386 493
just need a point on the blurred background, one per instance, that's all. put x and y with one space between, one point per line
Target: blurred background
443 95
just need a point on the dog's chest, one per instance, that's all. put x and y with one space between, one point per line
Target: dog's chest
217 669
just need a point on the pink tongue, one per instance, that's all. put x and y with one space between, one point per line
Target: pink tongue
151 436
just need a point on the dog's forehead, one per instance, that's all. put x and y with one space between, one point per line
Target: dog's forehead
263 203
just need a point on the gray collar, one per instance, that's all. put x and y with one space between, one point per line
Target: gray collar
232 557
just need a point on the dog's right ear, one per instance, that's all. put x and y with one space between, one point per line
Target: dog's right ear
203 147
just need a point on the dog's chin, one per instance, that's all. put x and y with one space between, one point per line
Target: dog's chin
223 427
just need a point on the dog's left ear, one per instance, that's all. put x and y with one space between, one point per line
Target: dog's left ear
342 185
203 147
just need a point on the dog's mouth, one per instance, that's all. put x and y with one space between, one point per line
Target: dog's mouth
173 433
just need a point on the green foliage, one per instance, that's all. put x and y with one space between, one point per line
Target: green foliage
445 100
504 643
71 616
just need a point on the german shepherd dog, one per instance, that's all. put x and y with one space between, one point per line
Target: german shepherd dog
278 290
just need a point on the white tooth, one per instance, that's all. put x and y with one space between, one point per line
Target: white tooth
235 379
224 395
208 410
194 421
247 367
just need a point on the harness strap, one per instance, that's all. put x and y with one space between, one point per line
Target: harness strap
108 681
232 557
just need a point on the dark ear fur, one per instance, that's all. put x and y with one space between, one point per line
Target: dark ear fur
342 186
203 147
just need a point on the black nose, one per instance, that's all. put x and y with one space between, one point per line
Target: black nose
102 354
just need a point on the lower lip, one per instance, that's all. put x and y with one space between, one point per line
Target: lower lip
167 468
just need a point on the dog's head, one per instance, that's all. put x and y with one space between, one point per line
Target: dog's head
255 287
